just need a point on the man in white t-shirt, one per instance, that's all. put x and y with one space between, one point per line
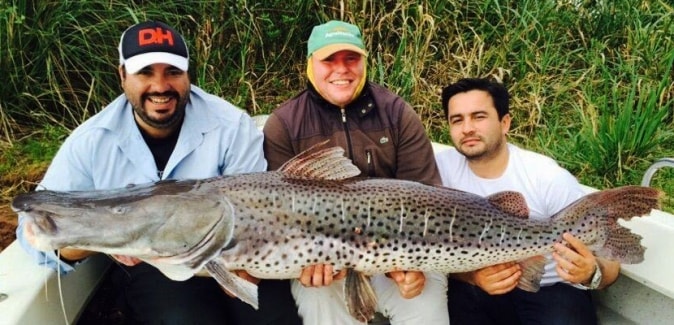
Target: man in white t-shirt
483 162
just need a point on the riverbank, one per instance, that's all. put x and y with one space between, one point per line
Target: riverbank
8 223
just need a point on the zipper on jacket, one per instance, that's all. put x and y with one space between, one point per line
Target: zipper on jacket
346 131
370 163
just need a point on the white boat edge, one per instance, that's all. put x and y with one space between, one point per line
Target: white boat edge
643 294
32 291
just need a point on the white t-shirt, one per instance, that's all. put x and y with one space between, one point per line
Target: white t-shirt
545 185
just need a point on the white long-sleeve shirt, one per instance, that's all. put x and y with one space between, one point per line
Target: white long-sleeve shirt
108 151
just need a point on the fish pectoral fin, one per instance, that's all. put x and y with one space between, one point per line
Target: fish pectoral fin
361 300
175 272
234 284
533 269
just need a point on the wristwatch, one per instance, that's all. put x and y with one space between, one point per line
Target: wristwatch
596 278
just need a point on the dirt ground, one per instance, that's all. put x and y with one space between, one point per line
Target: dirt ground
7 225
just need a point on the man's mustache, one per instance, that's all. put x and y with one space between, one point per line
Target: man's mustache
173 94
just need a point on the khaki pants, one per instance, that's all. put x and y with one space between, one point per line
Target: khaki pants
325 305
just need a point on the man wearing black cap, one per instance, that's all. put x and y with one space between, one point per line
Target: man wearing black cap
162 127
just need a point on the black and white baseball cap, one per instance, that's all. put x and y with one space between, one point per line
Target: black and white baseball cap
152 42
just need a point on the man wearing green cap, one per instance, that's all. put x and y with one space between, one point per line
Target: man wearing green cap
384 137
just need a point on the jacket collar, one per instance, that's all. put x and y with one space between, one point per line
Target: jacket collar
362 105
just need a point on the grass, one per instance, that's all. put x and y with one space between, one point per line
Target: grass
592 82
24 161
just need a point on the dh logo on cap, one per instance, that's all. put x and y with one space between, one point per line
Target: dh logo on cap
152 42
157 36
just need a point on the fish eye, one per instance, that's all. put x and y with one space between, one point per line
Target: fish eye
120 209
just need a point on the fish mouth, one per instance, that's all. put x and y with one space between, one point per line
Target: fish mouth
41 232
46 224
39 222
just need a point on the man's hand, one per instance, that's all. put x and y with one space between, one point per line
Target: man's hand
320 275
244 275
410 283
575 262
127 260
496 279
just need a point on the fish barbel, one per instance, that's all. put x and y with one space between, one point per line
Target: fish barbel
313 210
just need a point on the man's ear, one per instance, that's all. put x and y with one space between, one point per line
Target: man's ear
505 123
122 73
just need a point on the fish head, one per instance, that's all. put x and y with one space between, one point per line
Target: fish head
174 222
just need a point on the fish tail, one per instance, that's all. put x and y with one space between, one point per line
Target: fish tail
596 215
361 300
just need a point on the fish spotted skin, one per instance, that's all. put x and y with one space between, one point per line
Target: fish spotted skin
373 226
312 211
379 225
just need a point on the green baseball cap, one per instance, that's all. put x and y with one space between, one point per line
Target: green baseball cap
334 36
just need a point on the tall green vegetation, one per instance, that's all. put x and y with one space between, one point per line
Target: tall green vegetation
592 81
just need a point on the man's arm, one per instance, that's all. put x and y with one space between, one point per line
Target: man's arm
494 280
610 271
416 160
277 146
577 264
246 153
410 283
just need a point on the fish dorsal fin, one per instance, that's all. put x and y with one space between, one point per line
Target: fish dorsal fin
510 202
318 162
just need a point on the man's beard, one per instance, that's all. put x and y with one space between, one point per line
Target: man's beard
163 124
489 151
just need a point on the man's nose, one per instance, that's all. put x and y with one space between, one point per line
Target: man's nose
468 127
340 65
159 84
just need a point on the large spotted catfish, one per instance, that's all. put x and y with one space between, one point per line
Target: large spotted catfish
313 210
